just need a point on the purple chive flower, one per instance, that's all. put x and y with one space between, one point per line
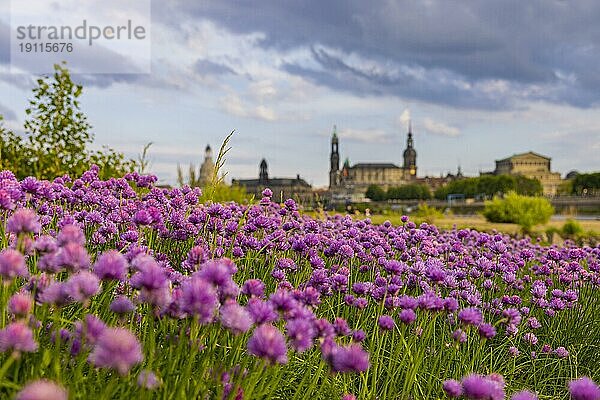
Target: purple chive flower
407 316
530 338
267 192
12 264
70 234
261 311
478 387
358 335
199 299
561 352
584 389
92 328
459 335
524 395
452 388
301 333
487 331
470 316
82 286
235 317
148 380
352 358
17 336
23 220
253 287
122 305
20 304
118 349
268 342
111 265
73 257
142 217
42 389
386 323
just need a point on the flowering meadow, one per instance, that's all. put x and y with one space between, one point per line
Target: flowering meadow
119 289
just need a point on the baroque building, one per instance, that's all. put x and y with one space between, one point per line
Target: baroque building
358 177
531 165
283 188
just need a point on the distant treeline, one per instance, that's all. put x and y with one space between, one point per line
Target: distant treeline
487 186
586 184
405 192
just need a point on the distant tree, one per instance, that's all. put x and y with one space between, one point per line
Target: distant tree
524 211
409 192
528 186
58 135
587 184
375 193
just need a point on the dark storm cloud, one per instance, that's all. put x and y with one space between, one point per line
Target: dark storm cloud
528 44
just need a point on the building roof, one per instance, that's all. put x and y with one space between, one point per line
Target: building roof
374 165
520 155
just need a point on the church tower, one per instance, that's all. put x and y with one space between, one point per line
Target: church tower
263 174
207 169
335 160
410 156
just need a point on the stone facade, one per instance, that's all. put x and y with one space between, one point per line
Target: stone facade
531 165
358 177
283 188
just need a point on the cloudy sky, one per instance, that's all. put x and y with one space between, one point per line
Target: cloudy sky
480 81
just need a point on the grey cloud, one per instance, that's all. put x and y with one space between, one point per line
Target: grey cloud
524 43
207 67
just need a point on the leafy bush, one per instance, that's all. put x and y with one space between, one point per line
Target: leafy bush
58 136
521 210
570 229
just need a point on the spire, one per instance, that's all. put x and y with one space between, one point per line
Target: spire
334 137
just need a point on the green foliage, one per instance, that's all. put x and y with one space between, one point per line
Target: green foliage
521 210
58 135
586 184
409 192
491 185
224 193
404 192
570 229
375 193
427 214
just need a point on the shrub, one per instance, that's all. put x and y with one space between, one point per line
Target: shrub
521 210
571 229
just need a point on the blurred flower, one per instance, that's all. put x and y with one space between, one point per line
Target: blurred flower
268 342
116 348
42 389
